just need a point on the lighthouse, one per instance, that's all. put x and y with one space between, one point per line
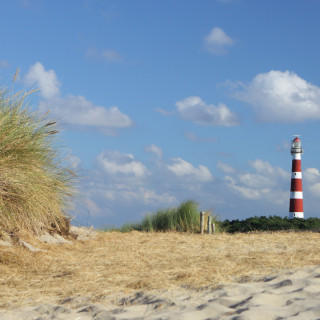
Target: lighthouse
296 196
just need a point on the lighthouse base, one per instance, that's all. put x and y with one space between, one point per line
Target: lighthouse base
296 215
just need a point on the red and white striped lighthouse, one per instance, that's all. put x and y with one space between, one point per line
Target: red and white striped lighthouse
296 196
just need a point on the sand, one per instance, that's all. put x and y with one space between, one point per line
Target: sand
290 295
175 276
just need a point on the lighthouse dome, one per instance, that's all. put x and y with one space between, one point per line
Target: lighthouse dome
296 145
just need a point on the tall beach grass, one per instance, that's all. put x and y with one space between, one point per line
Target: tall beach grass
35 188
185 218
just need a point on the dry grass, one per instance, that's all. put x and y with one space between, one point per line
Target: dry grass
121 263
35 187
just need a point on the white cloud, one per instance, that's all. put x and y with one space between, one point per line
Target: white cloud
217 41
154 150
311 175
108 55
111 55
278 96
74 110
265 183
183 168
93 208
311 179
77 110
73 160
128 194
225 167
245 192
194 109
163 112
265 168
46 81
115 162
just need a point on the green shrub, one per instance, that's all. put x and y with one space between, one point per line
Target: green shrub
35 189
271 223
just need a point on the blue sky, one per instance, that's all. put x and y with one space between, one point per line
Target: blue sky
165 101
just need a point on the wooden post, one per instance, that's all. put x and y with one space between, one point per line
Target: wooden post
213 228
209 224
202 214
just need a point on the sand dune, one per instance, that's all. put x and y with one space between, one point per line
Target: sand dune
164 276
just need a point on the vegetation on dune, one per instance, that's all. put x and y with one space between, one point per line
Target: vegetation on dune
35 189
271 223
186 218
183 218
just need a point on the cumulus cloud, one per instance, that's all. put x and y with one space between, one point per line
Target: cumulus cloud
265 183
194 109
218 41
124 189
46 81
138 194
154 150
183 168
311 179
282 96
73 110
77 110
242 190
224 167
311 175
265 168
115 162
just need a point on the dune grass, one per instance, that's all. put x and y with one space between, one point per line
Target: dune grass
185 218
118 264
35 188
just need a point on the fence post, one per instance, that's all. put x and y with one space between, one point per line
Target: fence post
202 213
209 224
213 228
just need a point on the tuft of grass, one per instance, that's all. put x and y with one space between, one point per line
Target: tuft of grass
35 188
185 218
164 220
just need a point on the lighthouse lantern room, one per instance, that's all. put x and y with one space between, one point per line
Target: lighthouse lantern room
296 195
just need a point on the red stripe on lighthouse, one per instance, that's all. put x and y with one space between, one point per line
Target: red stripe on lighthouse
296 205
296 165
296 185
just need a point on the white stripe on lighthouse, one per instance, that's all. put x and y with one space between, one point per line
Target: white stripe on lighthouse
296 175
296 195
296 156
296 215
